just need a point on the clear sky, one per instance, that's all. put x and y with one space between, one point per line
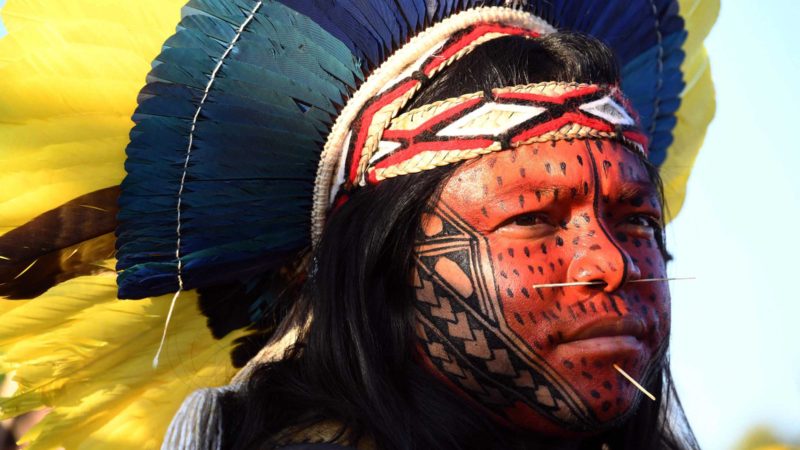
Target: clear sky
736 336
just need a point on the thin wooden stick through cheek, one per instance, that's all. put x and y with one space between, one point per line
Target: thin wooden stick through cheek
591 283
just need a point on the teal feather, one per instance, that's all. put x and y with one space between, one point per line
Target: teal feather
260 131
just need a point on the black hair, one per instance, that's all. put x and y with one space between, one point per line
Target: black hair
354 363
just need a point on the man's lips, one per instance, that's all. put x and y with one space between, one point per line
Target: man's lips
607 327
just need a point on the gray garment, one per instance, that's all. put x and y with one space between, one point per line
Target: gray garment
322 446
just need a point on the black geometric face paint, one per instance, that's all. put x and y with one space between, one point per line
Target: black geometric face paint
542 358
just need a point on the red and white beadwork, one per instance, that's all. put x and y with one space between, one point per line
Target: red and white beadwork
370 143
471 125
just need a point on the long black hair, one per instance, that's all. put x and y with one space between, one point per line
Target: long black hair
354 362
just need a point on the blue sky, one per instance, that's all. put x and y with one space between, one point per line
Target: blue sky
735 340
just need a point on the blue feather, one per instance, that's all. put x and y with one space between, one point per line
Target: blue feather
259 133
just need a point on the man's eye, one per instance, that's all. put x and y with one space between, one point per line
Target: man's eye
640 225
530 219
531 225
643 221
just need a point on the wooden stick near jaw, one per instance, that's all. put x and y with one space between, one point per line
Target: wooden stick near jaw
639 386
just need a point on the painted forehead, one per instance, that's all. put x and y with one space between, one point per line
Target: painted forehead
560 170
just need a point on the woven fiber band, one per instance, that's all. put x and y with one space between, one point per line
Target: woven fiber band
369 143
471 125
391 86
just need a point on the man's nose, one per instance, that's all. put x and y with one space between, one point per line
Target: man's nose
601 260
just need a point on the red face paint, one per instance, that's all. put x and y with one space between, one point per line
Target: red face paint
542 358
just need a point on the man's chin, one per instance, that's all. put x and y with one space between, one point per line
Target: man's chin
523 418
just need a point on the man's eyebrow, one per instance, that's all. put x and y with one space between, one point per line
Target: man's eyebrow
636 189
543 188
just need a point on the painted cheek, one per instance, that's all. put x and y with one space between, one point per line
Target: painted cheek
521 264
489 332
651 300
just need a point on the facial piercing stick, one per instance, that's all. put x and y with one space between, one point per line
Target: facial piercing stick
591 283
639 386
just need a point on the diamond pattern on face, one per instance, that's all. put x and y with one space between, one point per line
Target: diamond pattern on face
570 211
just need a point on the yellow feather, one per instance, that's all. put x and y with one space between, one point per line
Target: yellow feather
70 75
697 103
88 355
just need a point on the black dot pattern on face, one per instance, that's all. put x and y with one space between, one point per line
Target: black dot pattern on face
572 314
606 167
545 257
599 146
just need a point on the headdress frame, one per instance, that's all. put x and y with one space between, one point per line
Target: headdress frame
251 172
398 68
279 72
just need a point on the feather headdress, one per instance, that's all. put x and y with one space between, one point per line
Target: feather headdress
219 176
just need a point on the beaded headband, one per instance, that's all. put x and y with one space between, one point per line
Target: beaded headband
369 141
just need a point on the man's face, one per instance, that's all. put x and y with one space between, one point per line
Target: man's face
541 358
